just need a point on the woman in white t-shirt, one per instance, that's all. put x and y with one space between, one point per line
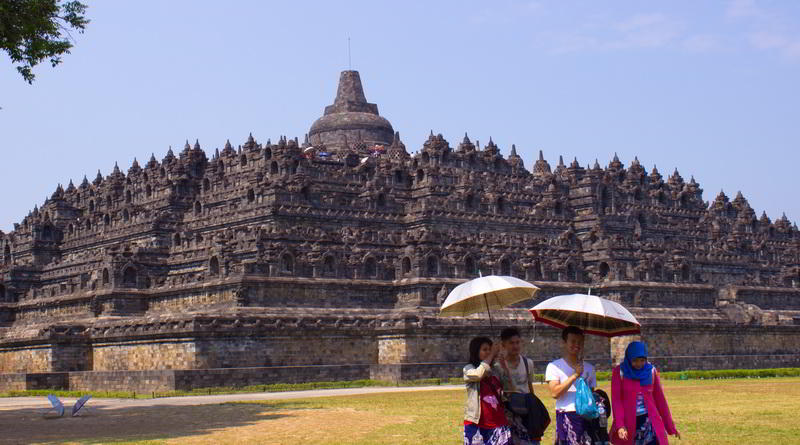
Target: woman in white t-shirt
561 376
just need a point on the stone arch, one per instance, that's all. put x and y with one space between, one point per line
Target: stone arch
251 196
604 270
91 205
605 199
198 208
267 153
470 267
432 266
148 191
176 240
572 272
329 266
273 168
88 224
7 254
558 208
213 266
109 201
398 176
505 266
128 196
2 293
535 272
426 158
686 273
370 267
243 160
126 215
106 279
206 185
658 272
106 219
406 266
500 205
469 201
47 232
287 263
129 276
381 201
420 175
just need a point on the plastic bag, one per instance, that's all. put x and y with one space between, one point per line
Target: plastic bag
585 404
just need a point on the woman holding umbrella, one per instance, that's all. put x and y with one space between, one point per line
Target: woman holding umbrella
561 375
641 413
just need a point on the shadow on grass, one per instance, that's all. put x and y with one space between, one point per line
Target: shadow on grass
116 425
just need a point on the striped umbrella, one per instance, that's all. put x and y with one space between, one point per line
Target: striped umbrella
486 293
593 314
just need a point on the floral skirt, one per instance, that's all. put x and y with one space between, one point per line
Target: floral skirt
571 429
473 435
645 435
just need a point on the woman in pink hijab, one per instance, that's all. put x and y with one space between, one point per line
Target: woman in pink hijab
641 413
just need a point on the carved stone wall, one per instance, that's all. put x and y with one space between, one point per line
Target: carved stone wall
339 249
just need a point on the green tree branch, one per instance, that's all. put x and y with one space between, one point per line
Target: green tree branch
32 31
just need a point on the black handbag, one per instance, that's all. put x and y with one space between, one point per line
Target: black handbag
518 404
538 419
530 408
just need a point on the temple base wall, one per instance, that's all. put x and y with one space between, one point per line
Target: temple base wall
410 349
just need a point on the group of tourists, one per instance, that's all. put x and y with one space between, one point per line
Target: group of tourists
502 408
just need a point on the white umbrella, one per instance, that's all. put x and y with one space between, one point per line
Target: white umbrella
486 293
593 314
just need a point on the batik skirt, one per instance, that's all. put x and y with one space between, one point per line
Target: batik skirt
473 435
645 435
571 429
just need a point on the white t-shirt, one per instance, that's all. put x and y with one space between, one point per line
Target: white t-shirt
519 377
560 371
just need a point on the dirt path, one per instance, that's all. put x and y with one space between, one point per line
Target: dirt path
12 403
194 419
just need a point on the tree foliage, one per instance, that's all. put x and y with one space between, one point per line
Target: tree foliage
32 31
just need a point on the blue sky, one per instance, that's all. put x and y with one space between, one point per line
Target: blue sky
708 87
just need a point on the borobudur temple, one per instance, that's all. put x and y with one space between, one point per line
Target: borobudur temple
327 260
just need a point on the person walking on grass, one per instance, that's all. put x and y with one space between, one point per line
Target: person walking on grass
516 374
641 413
561 375
484 414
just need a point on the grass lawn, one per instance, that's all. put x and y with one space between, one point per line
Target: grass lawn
734 411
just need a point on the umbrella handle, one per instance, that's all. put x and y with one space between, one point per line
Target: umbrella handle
486 300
